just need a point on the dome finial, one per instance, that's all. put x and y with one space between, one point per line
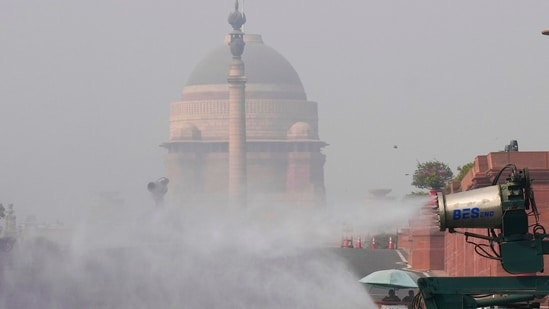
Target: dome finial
237 19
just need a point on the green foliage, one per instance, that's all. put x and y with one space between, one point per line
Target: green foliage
463 170
432 175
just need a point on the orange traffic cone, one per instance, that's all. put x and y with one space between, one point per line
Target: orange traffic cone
373 244
391 245
358 243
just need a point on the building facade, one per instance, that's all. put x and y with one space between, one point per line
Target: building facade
284 159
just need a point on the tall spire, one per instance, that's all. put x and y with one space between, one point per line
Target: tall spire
236 18
237 113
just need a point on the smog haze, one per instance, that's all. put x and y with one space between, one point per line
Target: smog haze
85 88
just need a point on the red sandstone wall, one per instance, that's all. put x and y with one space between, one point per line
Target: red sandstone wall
403 239
462 260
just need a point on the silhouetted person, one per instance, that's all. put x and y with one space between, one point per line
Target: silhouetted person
408 298
391 297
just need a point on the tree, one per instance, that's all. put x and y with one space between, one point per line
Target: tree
432 175
463 170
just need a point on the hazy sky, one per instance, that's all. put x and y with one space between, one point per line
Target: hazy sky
85 87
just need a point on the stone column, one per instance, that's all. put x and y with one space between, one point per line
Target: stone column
237 113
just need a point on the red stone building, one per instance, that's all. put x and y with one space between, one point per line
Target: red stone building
449 254
285 162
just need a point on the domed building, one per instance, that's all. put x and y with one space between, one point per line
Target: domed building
284 159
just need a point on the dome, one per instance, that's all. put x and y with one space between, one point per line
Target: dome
263 65
274 97
300 130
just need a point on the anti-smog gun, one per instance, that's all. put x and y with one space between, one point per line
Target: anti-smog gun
514 237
